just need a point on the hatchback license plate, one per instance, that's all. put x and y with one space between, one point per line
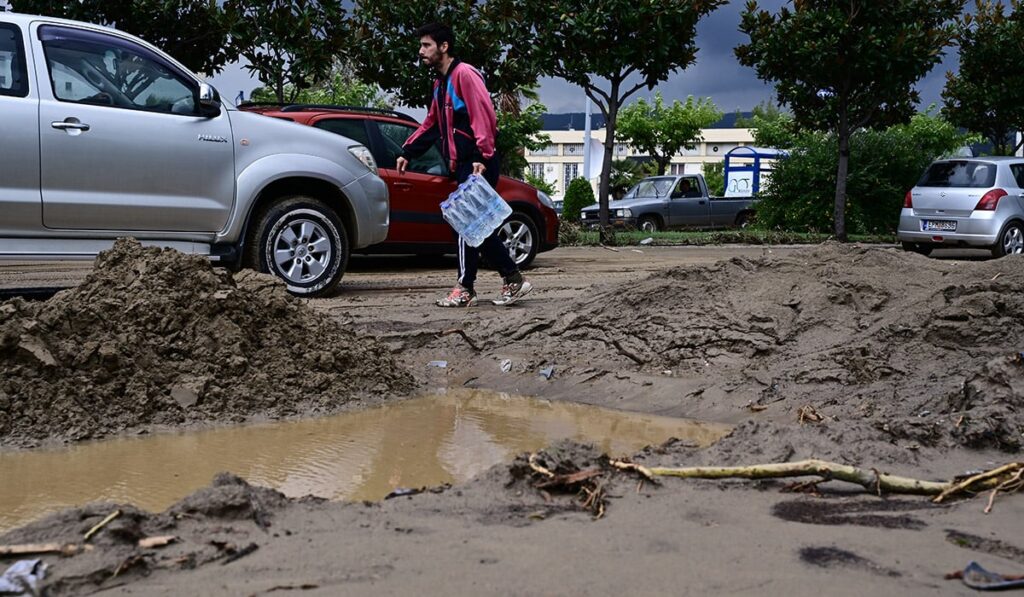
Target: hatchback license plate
939 225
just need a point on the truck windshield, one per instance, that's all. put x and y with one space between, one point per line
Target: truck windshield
651 187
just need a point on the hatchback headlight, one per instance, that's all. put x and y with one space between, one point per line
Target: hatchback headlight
543 198
363 154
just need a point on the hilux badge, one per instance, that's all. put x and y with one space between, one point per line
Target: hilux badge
213 138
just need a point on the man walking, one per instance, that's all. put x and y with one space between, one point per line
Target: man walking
462 117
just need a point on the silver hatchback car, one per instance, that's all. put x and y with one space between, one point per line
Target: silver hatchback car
966 202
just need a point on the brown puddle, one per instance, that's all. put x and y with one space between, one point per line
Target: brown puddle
357 456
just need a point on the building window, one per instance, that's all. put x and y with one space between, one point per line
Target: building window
677 169
537 171
621 149
572 172
550 149
572 149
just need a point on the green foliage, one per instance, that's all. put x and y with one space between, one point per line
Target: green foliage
290 45
766 111
194 32
577 196
984 96
612 49
625 174
843 66
539 183
714 176
661 131
341 88
519 130
884 165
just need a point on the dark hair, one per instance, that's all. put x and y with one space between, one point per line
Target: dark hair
440 34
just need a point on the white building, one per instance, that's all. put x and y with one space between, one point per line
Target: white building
562 160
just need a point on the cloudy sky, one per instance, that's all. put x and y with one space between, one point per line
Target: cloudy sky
716 74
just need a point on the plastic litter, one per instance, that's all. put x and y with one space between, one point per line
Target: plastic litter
506 365
438 364
647 240
547 372
976 577
475 210
23 578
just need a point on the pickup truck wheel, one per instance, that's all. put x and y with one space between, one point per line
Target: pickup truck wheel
302 241
743 219
648 224
1011 240
919 248
520 237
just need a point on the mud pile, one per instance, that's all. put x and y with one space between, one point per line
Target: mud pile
155 337
870 340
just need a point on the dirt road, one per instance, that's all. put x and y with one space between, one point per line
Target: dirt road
867 356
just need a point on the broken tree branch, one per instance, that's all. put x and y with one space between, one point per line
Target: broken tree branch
27 549
869 479
101 524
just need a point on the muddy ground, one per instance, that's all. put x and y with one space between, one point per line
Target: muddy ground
866 356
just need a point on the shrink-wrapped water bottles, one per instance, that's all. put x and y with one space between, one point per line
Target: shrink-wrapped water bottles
475 210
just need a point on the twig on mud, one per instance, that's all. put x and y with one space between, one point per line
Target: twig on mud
1008 477
27 549
808 413
101 524
532 460
628 353
464 335
607 248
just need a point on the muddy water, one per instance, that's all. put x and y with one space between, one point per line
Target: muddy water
363 455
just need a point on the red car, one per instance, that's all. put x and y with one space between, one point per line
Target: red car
416 223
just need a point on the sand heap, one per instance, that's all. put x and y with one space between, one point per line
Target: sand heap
918 349
155 337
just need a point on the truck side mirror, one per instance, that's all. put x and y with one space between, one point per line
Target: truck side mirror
209 101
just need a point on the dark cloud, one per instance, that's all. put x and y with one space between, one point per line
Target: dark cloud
718 75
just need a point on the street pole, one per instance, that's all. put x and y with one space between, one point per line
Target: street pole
586 143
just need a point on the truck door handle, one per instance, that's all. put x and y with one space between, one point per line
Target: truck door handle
70 124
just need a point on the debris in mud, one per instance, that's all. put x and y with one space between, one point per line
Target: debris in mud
153 337
567 468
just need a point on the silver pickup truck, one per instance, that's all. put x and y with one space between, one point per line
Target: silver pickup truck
664 202
105 136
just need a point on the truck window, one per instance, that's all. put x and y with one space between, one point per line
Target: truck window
88 67
13 81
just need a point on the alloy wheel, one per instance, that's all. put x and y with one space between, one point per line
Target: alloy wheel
302 250
518 239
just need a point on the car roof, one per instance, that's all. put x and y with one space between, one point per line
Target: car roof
307 111
987 158
24 20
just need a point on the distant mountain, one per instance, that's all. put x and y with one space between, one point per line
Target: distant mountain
576 121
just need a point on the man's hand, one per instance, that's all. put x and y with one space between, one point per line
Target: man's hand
478 168
401 163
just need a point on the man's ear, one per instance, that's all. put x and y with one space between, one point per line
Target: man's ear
443 48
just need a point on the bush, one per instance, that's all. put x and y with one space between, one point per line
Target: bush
884 165
577 196
714 177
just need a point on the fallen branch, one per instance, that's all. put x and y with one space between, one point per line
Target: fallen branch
101 524
870 479
28 549
464 335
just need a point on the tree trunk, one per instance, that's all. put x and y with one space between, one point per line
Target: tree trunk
607 234
663 162
844 166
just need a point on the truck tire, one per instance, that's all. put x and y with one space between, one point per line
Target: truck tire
648 224
1010 241
744 218
519 235
303 242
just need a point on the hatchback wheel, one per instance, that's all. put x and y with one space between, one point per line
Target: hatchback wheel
302 241
1011 240
520 237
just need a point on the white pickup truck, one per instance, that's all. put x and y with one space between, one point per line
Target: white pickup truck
105 136
664 202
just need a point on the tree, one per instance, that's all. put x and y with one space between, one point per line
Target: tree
290 45
714 176
844 65
985 95
884 165
194 32
661 131
341 87
613 49
578 195
519 131
765 111
625 174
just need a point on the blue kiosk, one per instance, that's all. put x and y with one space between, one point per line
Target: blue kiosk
744 179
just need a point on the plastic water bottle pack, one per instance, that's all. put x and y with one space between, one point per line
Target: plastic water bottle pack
475 210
